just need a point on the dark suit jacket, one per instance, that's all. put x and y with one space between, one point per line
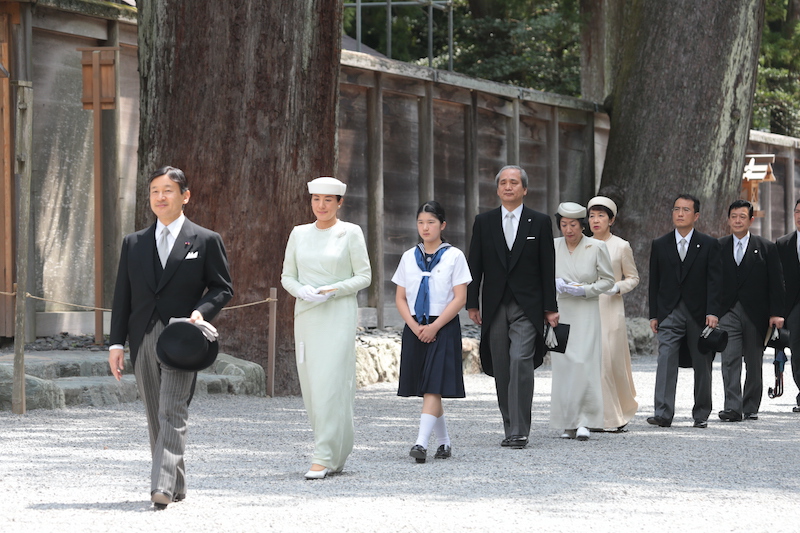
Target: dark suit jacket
202 283
697 282
787 251
529 271
757 283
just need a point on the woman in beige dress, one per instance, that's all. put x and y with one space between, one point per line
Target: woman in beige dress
619 392
583 272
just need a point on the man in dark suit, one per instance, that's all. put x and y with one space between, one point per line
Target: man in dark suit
752 301
685 284
174 268
789 252
512 255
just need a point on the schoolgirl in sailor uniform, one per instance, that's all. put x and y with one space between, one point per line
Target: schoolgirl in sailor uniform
431 281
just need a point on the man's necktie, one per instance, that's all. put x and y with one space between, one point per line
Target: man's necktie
682 249
508 229
739 253
163 247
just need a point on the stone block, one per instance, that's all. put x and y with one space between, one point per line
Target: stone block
39 393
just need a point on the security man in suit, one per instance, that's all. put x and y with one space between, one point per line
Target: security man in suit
789 253
512 258
685 284
174 268
752 302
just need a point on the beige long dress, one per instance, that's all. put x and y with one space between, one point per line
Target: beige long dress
576 398
325 333
619 392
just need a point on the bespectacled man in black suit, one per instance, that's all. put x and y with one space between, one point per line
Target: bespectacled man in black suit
174 268
685 284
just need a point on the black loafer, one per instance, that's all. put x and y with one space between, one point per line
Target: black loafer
658 421
443 452
751 416
700 423
517 441
419 453
729 415
796 409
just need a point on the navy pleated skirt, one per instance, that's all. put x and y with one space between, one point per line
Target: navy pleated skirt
432 368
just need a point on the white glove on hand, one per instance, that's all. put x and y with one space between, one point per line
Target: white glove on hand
575 290
208 330
560 284
309 294
613 290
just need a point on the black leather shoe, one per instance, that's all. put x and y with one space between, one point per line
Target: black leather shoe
701 423
517 441
796 409
419 453
729 415
505 443
160 499
179 498
750 416
443 452
658 421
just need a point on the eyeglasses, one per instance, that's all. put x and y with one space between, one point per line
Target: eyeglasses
681 209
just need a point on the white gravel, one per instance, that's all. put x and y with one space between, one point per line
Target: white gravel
87 469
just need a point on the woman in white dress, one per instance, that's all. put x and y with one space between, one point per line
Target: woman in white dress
325 265
583 272
431 281
619 392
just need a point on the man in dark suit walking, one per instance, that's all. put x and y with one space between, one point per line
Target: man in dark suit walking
685 284
790 260
752 302
174 268
512 256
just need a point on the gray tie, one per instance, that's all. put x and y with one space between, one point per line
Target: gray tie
508 229
163 247
739 253
682 249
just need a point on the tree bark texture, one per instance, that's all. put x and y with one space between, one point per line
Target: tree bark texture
242 95
680 116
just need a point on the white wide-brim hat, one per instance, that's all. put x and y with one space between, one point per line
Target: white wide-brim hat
326 185
605 202
571 210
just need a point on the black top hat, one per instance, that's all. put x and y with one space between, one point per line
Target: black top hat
562 336
714 342
183 346
782 342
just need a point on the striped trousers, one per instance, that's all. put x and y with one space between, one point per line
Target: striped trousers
166 393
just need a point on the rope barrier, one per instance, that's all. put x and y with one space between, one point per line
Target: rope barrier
90 308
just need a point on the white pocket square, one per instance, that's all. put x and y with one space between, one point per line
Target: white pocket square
530 238
192 255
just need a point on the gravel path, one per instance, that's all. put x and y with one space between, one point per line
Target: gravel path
87 469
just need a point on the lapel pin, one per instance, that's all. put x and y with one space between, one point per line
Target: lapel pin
187 243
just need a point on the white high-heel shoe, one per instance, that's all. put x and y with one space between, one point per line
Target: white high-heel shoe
317 474
582 433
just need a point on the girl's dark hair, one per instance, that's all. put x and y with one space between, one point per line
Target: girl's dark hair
433 208
598 207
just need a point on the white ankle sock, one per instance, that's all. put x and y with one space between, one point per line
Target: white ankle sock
440 428
426 423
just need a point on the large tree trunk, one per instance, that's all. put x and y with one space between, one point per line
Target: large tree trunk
680 116
242 95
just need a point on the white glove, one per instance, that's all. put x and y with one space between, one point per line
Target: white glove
560 284
208 330
613 290
575 290
309 294
550 337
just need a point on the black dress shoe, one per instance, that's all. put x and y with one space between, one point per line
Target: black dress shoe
505 443
443 452
796 409
729 415
179 497
160 499
701 423
751 416
658 421
419 453
517 441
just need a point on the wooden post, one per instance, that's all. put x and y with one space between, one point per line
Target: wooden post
24 143
272 334
512 134
375 214
471 181
788 193
7 194
426 144
553 167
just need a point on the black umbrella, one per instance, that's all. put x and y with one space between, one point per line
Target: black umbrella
779 340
